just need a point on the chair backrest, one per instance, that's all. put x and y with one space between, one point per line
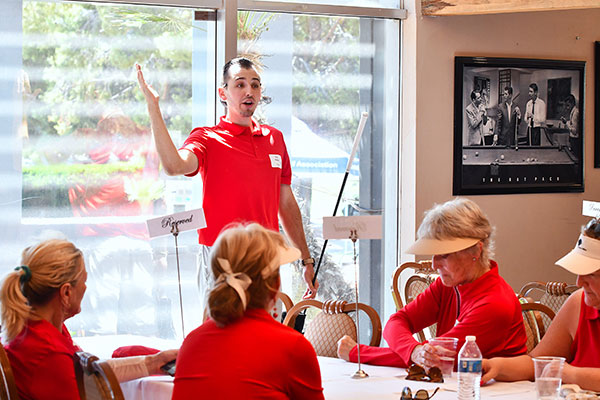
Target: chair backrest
422 275
416 285
8 387
328 326
286 300
551 294
95 379
421 268
281 307
537 318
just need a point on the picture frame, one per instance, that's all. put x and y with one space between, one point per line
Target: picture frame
504 141
597 105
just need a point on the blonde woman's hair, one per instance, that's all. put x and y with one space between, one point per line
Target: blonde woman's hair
51 263
249 249
459 218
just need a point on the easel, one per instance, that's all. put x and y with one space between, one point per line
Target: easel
368 227
174 224
359 374
175 233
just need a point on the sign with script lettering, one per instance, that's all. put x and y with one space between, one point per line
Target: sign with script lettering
366 227
184 221
591 209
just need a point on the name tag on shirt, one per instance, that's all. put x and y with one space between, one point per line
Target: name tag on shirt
276 161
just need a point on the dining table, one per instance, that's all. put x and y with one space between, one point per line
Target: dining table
382 383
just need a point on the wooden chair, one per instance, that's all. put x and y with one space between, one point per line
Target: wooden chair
95 379
8 387
550 294
537 318
286 300
421 268
328 326
287 304
422 275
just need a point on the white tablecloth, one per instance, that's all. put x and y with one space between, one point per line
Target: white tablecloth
383 383
387 383
103 346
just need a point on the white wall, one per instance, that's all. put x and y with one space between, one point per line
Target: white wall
532 230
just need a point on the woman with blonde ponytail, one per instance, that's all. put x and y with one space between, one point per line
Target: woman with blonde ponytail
37 298
241 352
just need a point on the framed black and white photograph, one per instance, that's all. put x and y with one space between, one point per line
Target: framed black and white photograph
517 125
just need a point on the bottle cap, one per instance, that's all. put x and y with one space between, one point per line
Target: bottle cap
470 338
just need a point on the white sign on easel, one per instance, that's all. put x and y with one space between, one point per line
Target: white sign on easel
184 221
365 226
354 228
591 209
172 224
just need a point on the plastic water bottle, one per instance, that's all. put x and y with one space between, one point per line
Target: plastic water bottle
469 370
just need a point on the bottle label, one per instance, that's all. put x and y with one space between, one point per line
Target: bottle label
469 366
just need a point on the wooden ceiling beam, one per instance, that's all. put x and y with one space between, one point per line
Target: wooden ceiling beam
474 7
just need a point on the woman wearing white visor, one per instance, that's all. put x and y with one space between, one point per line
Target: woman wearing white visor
575 331
469 297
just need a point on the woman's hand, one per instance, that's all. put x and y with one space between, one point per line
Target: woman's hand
155 361
489 369
344 345
427 355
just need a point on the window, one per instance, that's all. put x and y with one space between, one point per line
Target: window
78 159
321 73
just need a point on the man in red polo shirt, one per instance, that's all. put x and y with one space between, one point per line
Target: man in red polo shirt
245 166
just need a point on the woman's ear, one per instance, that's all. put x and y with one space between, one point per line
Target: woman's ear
479 249
65 293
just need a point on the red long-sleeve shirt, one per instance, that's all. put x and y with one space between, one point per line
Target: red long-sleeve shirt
253 358
487 308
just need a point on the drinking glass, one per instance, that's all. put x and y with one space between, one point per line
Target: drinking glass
548 372
449 343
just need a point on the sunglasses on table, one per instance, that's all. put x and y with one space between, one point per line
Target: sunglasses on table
418 373
420 394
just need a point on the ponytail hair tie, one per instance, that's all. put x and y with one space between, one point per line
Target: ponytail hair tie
26 277
239 281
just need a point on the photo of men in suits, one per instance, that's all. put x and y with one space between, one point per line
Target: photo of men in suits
509 117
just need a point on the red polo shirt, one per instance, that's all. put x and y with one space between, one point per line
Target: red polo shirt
242 170
41 357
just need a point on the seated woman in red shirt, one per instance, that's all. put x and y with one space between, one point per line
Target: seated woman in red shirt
575 331
241 352
469 297
36 299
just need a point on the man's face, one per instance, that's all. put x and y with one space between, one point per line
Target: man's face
532 94
242 92
507 96
477 100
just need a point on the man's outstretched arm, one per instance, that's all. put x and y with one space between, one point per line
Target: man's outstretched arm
173 161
